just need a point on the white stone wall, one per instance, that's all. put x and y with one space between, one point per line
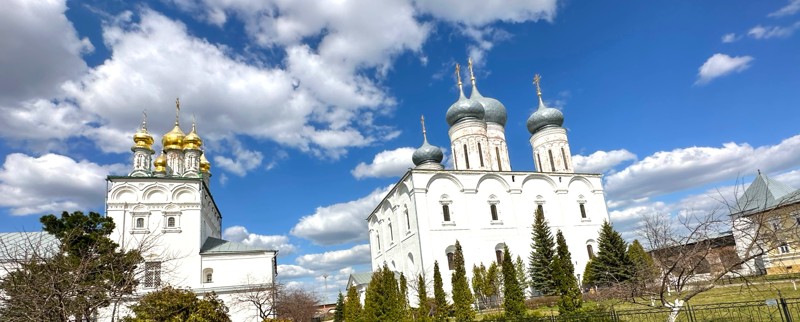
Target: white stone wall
552 141
472 135
498 149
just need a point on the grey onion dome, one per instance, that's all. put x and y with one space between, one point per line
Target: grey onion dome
427 154
494 111
544 117
464 108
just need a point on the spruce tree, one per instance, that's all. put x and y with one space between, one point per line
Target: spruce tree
338 316
423 309
383 301
564 277
644 268
493 282
541 256
611 265
352 305
404 297
462 297
514 300
440 298
522 275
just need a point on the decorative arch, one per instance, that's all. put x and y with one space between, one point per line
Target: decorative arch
581 179
447 176
492 176
156 193
124 194
537 176
184 194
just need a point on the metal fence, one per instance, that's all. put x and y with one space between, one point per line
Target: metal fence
778 310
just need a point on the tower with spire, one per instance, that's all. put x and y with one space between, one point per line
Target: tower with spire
468 140
427 156
549 140
142 150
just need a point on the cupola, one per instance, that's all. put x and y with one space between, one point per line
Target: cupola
544 117
494 111
427 153
464 108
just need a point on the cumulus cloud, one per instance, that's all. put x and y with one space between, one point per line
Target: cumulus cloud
729 38
39 49
480 13
357 255
720 65
294 271
240 234
340 223
388 163
52 183
242 161
761 32
669 171
601 161
788 10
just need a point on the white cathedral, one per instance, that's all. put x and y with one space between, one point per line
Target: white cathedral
165 208
482 202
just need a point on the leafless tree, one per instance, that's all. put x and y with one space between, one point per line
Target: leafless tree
295 304
261 295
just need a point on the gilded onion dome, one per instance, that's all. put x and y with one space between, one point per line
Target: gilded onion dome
160 163
494 111
463 108
544 117
192 141
427 153
173 140
205 166
141 138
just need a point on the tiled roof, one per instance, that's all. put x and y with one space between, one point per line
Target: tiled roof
24 245
765 193
220 246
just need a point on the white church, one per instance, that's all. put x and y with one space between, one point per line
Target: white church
482 202
165 208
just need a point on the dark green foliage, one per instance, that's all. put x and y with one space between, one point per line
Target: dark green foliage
513 298
85 273
338 316
462 297
564 276
644 268
404 297
352 305
542 254
383 302
178 305
423 307
440 298
587 279
522 274
611 265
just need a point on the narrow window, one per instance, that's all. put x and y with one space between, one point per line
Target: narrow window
480 154
499 254
583 211
499 164
784 248
493 208
408 221
450 261
209 278
552 164
539 208
539 161
590 251
152 274
446 212
564 157
466 156
391 233
139 222
378 241
171 222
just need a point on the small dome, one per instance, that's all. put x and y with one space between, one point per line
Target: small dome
142 139
160 163
205 166
427 154
494 111
173 140
463 109
192 141
544 117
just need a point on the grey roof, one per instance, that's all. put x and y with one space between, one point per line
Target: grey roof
25 245
221 246
360 278
765 193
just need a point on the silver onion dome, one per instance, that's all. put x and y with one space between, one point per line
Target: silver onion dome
427 154
544 117
494 111
463 109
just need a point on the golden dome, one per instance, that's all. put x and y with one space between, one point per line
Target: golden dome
192 141
160 163
205 166
141 138
173 140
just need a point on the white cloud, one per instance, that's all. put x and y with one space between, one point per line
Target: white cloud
480 13
788 10
339 223
294 271
761 32
387 163
669 171
601 161
357 255
729 38
240 234
39 49
52 183
242 161
720 65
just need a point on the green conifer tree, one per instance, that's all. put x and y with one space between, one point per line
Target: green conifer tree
479 284
352 305
541 256
338 316
611 265
644 268
383 302
522 275
493 282
440 297
564 277
514 299
423 309
462 297
404 297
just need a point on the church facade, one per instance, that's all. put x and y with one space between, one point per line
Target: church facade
482 202
165 208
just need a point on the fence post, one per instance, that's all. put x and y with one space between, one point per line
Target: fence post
785 309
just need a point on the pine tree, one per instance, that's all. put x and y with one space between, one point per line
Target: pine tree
644 269
514 299
564 277
611 265
440 298
383 301
423 309
462 297
522 275
338 316
352 306
541 256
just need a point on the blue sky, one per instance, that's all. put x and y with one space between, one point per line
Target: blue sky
310 110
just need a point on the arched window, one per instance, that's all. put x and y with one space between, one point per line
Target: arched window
208 275
408 221
378 241
539 162
493 209
583 211
171 222
480 154
391 233
446 212
450 261
498 252
552 164
564 157
540 208
139 222
499 164
466 156
590 250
